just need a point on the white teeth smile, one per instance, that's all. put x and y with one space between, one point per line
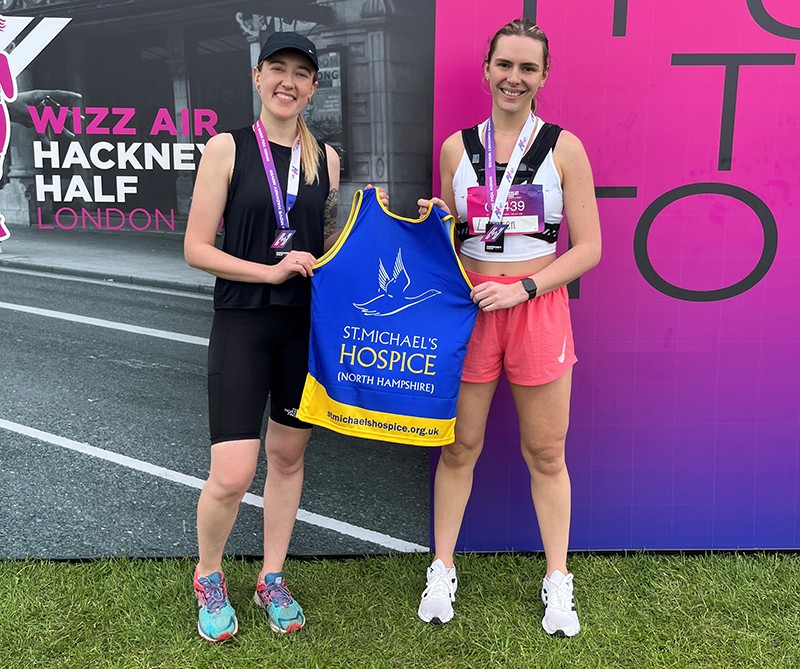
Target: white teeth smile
511 94
283 96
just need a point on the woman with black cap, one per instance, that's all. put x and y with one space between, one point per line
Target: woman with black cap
276 189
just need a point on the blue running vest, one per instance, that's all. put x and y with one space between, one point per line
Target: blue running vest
391 315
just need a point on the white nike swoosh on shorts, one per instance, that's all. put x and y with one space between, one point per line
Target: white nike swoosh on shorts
563 351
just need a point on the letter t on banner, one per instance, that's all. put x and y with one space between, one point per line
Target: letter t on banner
731 62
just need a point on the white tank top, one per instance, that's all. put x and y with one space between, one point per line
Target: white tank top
515 247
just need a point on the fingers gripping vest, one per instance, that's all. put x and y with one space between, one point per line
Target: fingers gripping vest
391 315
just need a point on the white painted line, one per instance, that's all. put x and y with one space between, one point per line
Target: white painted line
114 284
111 325
354 531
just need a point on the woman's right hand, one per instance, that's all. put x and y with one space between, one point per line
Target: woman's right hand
293 263
424 205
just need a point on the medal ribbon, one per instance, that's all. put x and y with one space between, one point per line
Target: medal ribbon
293 182
496 196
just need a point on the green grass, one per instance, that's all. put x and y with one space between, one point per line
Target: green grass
638 611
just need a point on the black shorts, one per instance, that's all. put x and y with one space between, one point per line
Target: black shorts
254 354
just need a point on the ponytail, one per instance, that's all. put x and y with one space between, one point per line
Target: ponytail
309 152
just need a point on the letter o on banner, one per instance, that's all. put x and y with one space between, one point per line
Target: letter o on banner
649 215
764 19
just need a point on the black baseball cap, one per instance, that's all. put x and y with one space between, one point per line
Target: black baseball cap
280 41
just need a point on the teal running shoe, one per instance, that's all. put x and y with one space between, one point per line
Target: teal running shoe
285 615
216 619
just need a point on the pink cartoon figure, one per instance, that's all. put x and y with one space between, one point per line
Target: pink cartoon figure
8 93
15 106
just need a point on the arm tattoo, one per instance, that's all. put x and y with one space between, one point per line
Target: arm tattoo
331 213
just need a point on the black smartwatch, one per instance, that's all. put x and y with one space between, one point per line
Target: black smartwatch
529 286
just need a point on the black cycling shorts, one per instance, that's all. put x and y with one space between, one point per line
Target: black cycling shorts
255 354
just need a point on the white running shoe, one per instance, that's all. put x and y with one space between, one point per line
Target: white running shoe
437 600
560 617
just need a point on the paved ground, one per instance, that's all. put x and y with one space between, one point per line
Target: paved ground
103 422
147 258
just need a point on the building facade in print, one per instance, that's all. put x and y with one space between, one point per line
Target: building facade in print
185 66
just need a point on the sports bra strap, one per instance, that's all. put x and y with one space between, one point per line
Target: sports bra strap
544 142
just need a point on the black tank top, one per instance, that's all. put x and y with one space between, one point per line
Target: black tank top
250 225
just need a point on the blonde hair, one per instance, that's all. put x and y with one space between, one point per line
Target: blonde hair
523 28
309 152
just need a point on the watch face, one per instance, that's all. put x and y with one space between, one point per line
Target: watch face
530 287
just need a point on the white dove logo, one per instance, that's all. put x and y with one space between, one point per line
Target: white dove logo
392 291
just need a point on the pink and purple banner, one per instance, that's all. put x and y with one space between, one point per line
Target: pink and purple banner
685 418
686 402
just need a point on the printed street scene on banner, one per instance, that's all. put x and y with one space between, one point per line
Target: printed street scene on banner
105 386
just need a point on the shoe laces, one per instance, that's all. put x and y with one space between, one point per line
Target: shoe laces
278 593
213 594
560 595
439 585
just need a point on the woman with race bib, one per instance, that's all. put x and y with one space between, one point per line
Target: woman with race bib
509 180
276 188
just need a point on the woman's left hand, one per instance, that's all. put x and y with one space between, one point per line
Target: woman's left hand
382 194
491 296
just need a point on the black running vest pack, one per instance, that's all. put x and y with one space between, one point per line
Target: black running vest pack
531 162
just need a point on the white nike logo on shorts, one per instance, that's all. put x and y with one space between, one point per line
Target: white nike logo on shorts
563 351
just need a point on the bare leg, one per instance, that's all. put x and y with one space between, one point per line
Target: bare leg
453 482
543 419
285 447
233 465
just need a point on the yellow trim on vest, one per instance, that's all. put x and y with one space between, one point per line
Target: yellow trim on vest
318 408
409 220
358 198
331 252
458 257
447 220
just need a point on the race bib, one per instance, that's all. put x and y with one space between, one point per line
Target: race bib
522 215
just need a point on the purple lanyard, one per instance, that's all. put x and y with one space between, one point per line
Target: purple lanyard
281 213
496 197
